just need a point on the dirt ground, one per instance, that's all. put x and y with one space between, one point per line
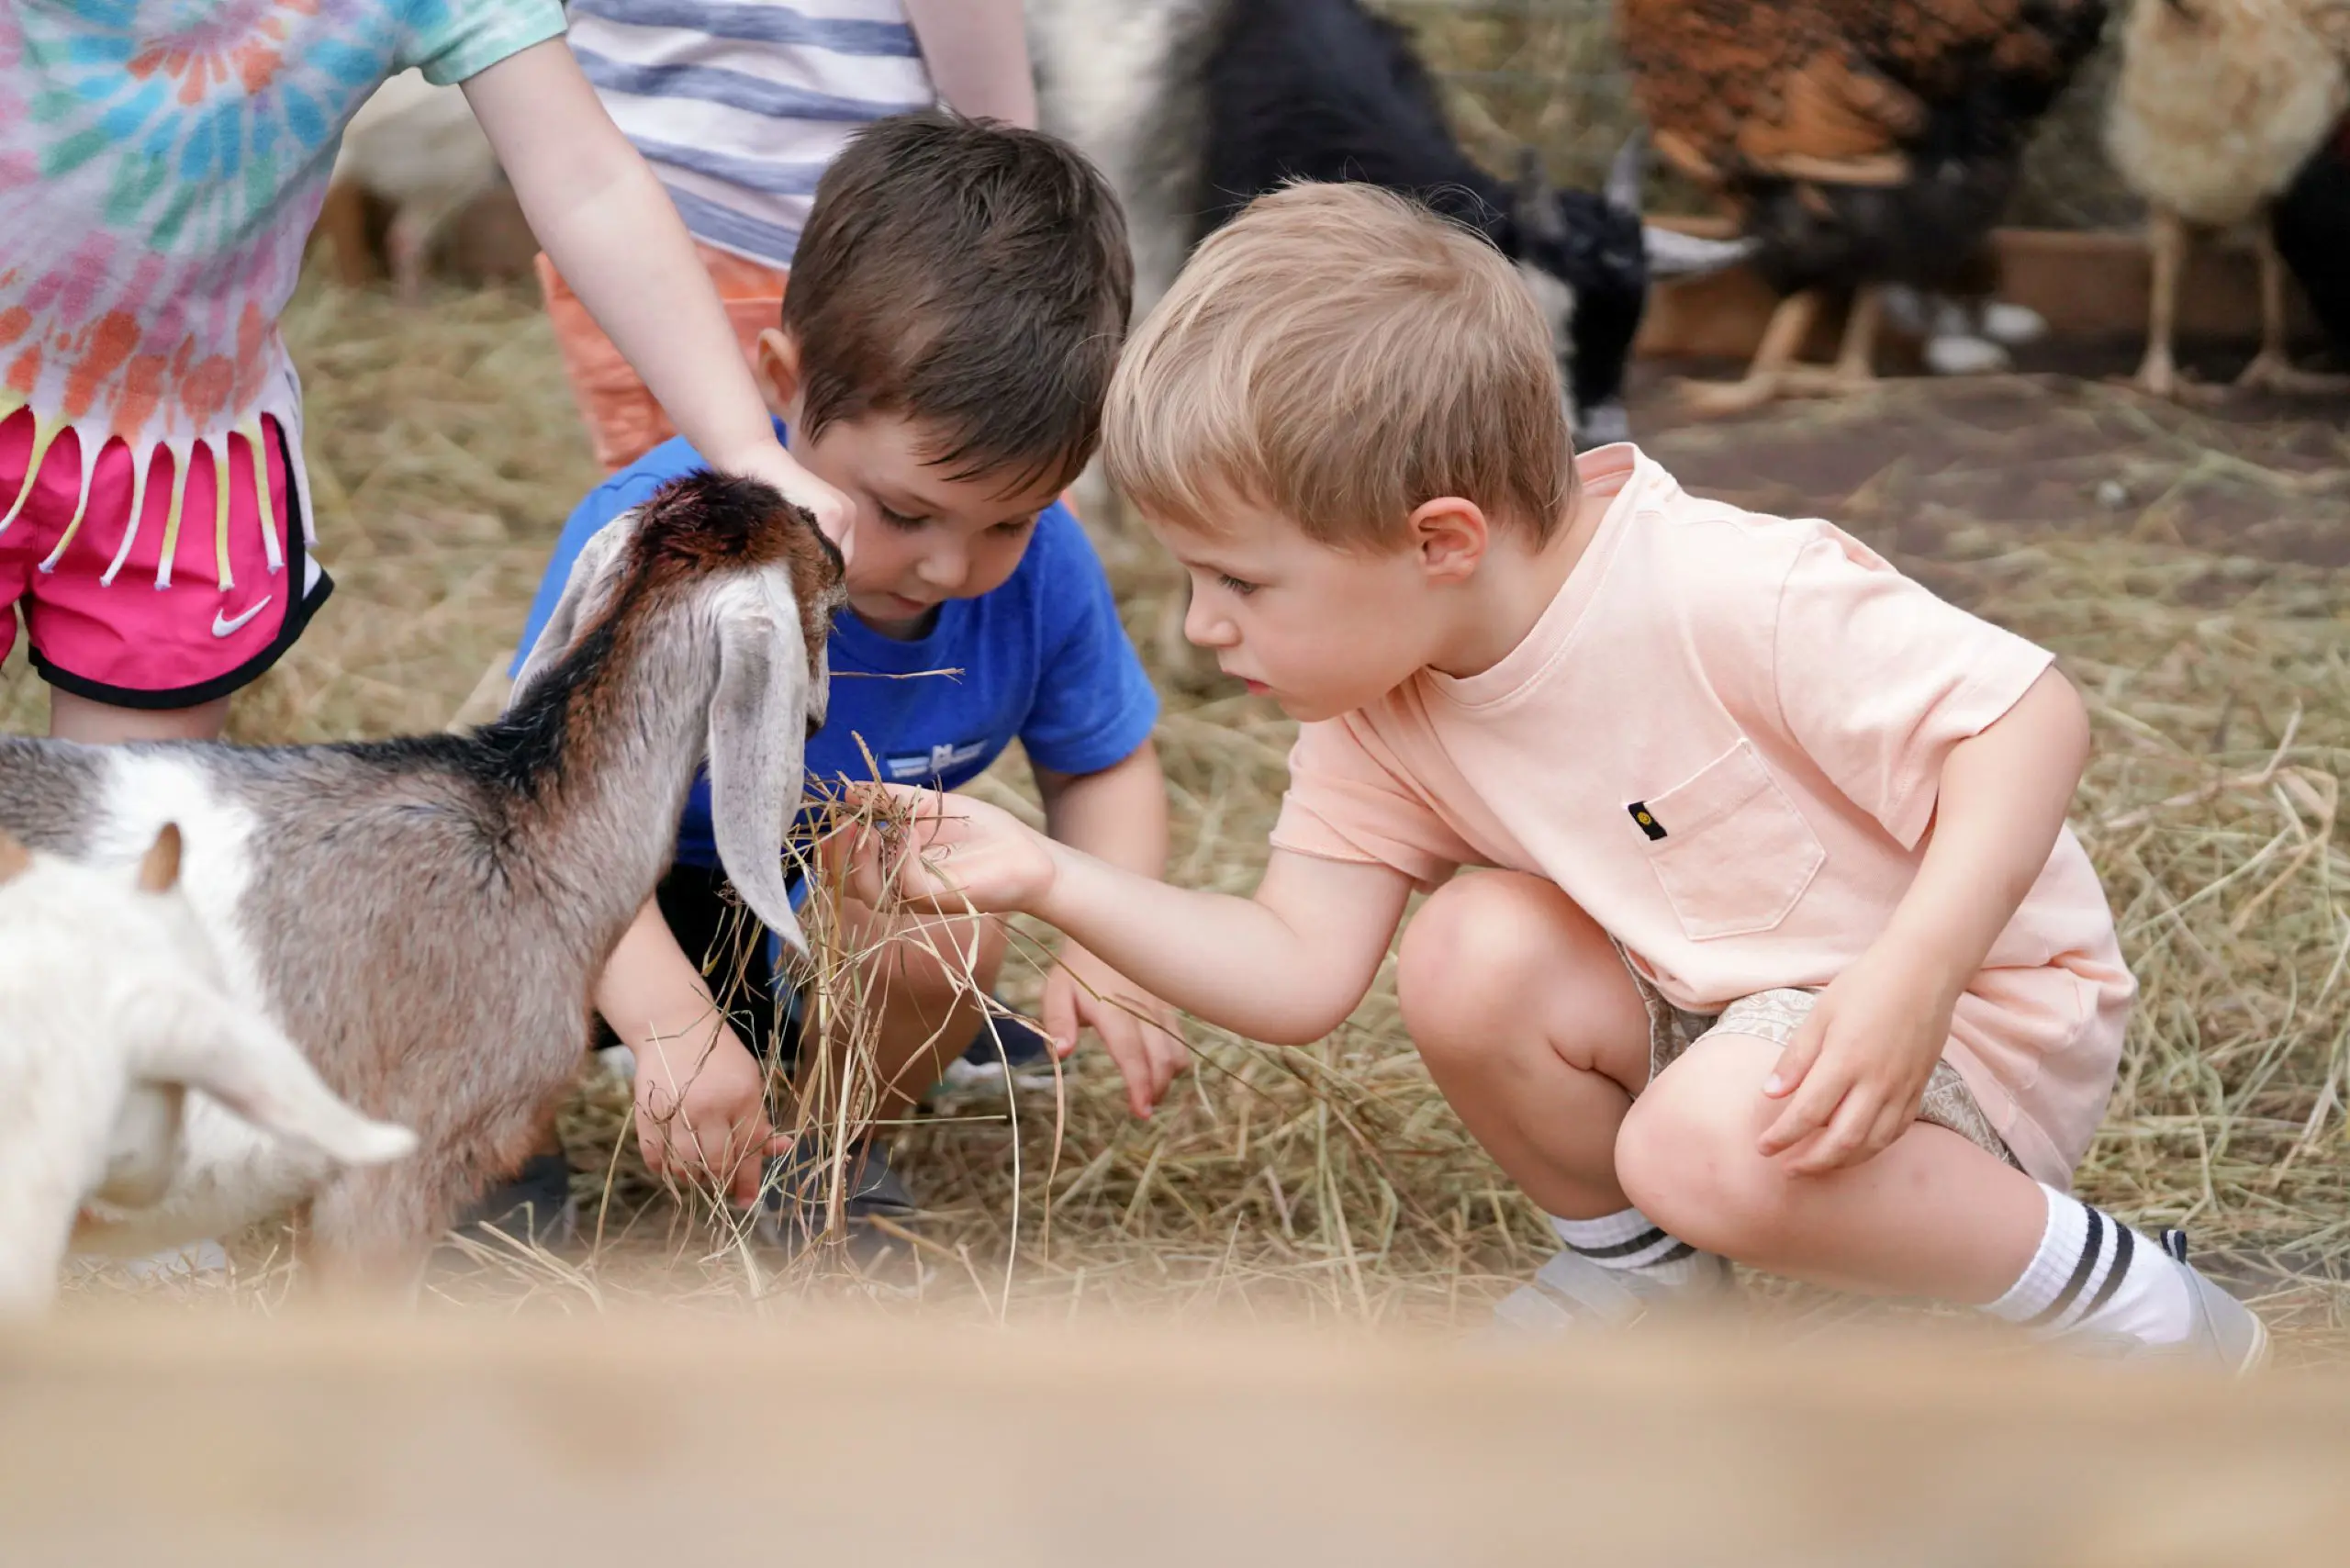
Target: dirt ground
2187 564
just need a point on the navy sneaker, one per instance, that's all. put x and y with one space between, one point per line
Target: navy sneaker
534 1208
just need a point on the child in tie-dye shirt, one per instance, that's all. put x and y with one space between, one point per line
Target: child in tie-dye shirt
161 164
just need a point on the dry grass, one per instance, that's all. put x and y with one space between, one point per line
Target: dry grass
1332 1181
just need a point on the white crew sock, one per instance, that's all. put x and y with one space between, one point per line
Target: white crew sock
2093 1272
1630 1243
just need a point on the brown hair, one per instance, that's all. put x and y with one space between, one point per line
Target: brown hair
1340 355
971 278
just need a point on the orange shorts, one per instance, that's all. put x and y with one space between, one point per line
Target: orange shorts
624 423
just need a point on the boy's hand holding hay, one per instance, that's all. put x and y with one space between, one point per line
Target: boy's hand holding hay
999 864
917 848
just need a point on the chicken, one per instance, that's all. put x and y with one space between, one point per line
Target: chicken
1861 142
2218 104
2310 226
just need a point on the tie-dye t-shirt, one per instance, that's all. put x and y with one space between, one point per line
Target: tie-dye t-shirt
161 164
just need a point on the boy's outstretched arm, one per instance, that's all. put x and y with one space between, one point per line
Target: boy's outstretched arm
1856 1072
1285 967
613 233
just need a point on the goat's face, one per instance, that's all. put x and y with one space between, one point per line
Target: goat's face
1589 259
1585 263
774 621
729 561
815 576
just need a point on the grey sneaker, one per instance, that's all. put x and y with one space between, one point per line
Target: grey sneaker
1572 1292
2226 1333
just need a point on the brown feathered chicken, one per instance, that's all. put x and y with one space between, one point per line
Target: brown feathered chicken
2220 104
1862 143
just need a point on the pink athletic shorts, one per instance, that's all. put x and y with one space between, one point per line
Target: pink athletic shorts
112 625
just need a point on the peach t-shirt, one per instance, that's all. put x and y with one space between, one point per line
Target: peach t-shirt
1724 740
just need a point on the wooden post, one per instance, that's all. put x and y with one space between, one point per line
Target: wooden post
718 1439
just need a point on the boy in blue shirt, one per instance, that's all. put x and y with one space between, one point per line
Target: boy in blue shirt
955 308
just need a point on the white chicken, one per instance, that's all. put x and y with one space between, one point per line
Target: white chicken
2218 104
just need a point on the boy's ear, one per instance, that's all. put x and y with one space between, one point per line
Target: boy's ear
1451 536
777 369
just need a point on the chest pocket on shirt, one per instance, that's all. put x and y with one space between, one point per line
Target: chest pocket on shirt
1734 854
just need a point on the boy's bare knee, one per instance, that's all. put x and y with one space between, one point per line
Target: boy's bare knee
1484 948
1686 1156
1483 938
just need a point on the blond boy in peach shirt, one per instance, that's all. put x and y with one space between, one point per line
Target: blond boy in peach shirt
1784 955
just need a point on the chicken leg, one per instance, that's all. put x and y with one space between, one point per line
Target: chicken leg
1856 366
1768 373
2271 369
2166 240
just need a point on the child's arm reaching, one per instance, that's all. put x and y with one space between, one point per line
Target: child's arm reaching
1285 967
700 1096
1858 1070
615 236
977 53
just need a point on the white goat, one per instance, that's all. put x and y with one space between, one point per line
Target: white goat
417 148
112 1007
425 916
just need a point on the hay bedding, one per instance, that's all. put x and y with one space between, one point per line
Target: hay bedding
2185 566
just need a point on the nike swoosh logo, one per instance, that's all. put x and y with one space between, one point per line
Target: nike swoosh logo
224 627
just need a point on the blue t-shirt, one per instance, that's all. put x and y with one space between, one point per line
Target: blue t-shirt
1044 661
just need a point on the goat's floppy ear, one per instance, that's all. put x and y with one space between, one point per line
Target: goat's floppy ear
159 869
589 569
14 858
758 736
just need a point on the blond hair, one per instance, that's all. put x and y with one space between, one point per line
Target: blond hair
1340 355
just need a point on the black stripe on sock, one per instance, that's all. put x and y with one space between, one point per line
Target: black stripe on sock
2122 1250
1680 1249
1640 1243
2081 1272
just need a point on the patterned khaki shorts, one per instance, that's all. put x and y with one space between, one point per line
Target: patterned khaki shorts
1775 1016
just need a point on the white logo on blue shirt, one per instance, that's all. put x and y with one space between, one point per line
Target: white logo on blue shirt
937 761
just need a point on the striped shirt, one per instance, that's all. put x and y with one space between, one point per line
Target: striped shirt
740 105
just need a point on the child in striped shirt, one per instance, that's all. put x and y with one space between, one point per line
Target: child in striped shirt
739 106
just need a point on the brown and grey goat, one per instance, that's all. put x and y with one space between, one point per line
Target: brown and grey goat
425 916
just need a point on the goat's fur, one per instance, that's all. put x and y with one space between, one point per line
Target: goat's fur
113 1006
425 916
